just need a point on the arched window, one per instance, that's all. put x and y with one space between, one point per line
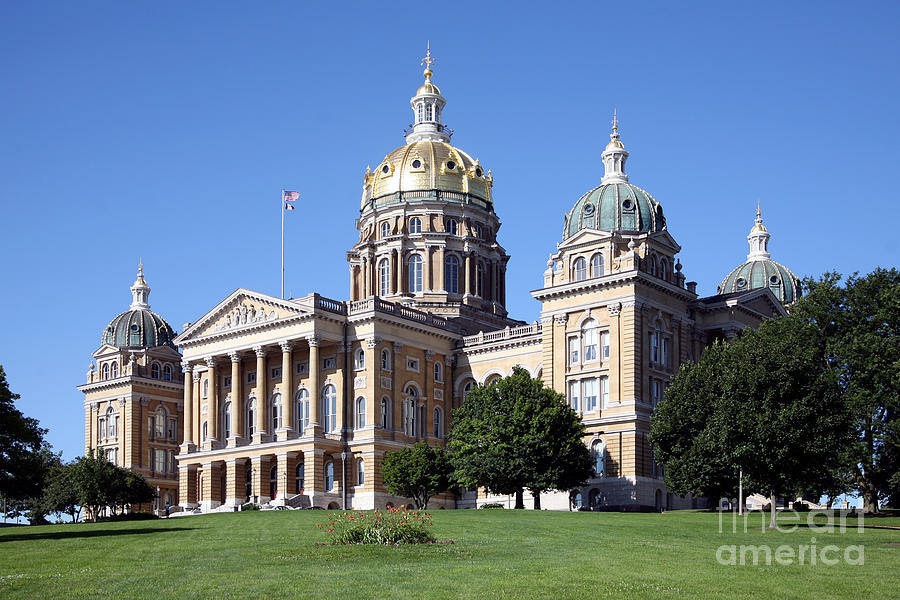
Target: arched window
360 412
277 413
594 498
479 232
227 420
329 476
438 423
104 371
467 388
384 277
651 264
360 359
360 471
480 272
579 269
329 398
598 457
300 474
438 372
273 481
451 274
204 431
385 229
159 422
302 411
452 226
154 370
415 273
589 336
386 359
577 501
663 269
112 423
410 408
415 225
205 388
385 414
167 373
251 417
114 371
597 265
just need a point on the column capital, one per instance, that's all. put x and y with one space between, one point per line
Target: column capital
313 340
210 361
260 351
398 346
429 355
235 357
372 341
561 319
286 346
614 309
186 367
196 376
342 347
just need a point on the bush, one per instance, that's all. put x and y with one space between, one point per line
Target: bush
249 506
492 505
391 527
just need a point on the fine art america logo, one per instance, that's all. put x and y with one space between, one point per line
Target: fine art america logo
809 551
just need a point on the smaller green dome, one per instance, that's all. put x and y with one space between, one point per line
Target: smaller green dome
615 207
756 274
138 328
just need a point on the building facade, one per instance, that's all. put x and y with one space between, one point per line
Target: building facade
297 401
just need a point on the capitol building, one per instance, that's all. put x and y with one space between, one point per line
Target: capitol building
296 401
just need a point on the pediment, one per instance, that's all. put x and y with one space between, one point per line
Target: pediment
585 236
105 350
240 310
764 303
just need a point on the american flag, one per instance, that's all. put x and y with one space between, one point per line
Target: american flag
291 196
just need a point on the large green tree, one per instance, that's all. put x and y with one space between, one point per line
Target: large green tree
419 472
516 433
765 404
20 448
99 484
859 326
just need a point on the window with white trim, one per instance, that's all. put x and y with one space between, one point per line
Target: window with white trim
360 359
579 269
154 370
251 417
438 422
277 412
415 225
104 371
386 359
415 273
598 457
451 274
410 410
206 388
275 372
574 348
251 376
573 395
329 399
302 417
360 471
597 265
384 277
589 340
360 412
114 370
385 229
438 372
329 362
329 476
412 364
302 367
589 387
226 381
167 373
604 391
452 226
604 346
385 413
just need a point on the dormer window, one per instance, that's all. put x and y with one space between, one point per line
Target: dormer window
415 225
452 226
385 230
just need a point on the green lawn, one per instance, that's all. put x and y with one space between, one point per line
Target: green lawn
496 554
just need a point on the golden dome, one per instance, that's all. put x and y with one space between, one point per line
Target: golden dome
428 88
758 227
615 144
424 166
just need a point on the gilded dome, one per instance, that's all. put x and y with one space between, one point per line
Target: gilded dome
428 88
427 169
760 273
138 328
615 206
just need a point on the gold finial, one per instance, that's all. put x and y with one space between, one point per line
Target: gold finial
428 61
615 121
140 266
758 212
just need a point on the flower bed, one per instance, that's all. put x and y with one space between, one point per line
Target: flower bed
390 527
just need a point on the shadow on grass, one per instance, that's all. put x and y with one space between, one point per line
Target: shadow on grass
86 533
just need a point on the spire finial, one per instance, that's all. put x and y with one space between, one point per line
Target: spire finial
428 61
758 212
615 121
140 265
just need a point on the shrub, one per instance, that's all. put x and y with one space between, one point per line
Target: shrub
391 527
249 506
492 505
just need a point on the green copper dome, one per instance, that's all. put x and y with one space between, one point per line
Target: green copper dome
615 206
755 274
139 327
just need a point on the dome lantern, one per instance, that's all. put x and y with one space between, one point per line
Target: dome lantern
759 239
427 105
139 327
614 156
140 291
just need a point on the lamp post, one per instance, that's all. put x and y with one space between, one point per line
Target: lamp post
344 478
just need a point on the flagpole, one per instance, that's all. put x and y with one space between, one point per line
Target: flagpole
282 243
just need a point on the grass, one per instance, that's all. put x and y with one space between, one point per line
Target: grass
496 554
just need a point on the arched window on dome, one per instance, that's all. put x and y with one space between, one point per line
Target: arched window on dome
360 359
384 277
579 269
415 225
104 371
114 369
597 265
452 226
451 274
663 269
385 230
415 273
154 370
302 411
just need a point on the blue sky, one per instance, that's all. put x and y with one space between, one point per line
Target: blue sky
166 131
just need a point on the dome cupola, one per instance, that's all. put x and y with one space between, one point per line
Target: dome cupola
615 205
760 270
139 327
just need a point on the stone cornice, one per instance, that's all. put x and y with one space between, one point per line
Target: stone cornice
109 384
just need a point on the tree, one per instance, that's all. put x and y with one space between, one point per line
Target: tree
20 446
765 404
99 484
60 495
859 325
419 472
516 433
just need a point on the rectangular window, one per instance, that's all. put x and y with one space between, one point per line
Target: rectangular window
604 392
159 464
226 381
412 364
329 362
438 372
590 344
590 395
573 350
172 465
654 347
152 426
666 355
604 346
170 431
276 372
573 395
302 368
654 392
251 376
